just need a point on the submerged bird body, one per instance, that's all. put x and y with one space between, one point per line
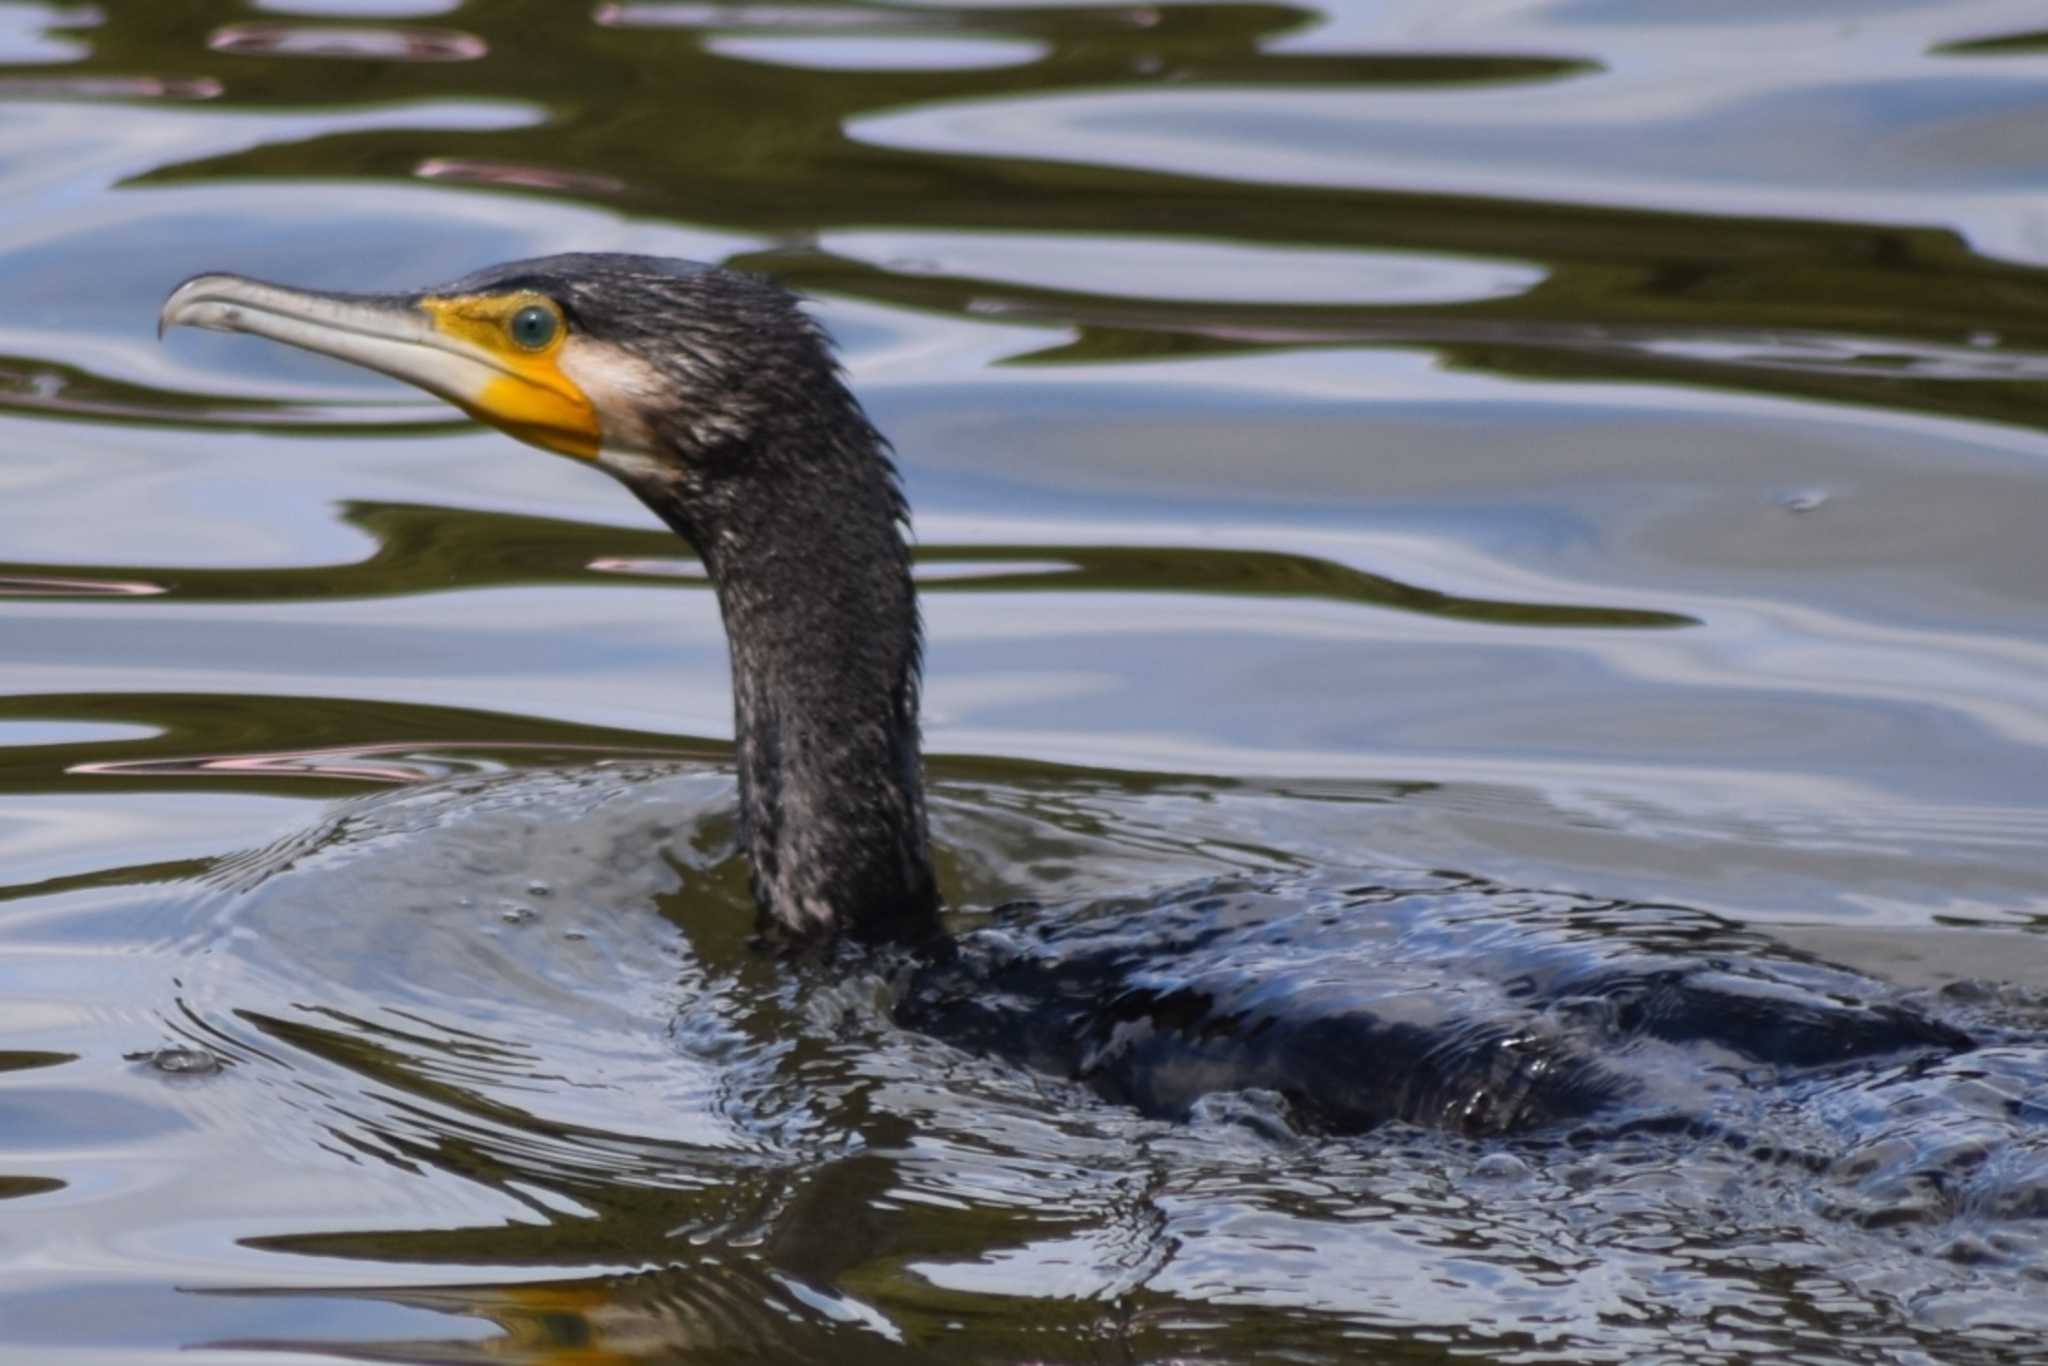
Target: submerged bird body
1442 1001
717 402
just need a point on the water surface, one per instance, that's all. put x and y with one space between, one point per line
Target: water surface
1578 446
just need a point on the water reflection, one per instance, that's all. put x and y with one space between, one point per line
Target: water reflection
1593 446
706 1312
774 1166
473 171
1632 277
868 54
468 551
108 88
360 44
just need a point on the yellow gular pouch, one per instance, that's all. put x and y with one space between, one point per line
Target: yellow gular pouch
528 397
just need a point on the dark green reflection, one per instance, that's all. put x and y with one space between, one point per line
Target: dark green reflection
647 117
2034 40
427 549
704 1310
46 389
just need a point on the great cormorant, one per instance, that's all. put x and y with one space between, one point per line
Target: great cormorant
714 398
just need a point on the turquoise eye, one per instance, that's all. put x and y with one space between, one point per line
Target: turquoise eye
533 327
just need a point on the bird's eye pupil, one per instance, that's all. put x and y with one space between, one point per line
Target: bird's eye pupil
533 327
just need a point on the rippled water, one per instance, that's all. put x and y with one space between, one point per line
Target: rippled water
1581 448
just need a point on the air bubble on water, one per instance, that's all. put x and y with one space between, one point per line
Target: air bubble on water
1501 1167
180 1061
1802 500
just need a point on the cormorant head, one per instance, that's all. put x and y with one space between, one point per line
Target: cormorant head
655 369
716 400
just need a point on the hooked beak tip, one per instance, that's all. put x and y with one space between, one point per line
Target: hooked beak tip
178 307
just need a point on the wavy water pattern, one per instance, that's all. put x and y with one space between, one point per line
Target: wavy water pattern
1397 486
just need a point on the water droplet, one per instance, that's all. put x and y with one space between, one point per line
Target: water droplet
515 914
539 889
1802 500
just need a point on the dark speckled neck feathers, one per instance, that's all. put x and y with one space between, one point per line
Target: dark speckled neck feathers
800 523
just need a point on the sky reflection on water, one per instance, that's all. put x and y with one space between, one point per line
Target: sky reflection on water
1588 446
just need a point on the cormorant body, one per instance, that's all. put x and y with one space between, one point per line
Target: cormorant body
1425 999
716 401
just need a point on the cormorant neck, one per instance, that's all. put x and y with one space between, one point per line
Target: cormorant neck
801 528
